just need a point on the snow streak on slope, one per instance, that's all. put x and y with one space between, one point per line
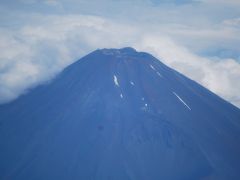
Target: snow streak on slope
121 95
115 80
152 67
181 100
159 74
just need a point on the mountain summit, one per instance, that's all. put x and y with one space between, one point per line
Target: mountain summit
119 114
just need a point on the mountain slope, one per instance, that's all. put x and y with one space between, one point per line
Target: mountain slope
119 114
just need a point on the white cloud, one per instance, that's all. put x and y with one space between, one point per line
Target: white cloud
232 22
228 2
51 2
35 53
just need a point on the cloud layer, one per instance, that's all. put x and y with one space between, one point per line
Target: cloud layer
41 45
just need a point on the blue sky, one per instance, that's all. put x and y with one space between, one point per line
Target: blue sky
200 38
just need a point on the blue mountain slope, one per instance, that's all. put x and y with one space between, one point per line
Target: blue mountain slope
118 114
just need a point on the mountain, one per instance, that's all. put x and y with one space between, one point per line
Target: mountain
119 114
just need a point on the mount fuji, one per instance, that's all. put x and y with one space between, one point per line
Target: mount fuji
119 114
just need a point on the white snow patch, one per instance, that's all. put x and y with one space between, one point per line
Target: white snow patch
121 96
159 74
132 83
181 100
152 67
115 80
